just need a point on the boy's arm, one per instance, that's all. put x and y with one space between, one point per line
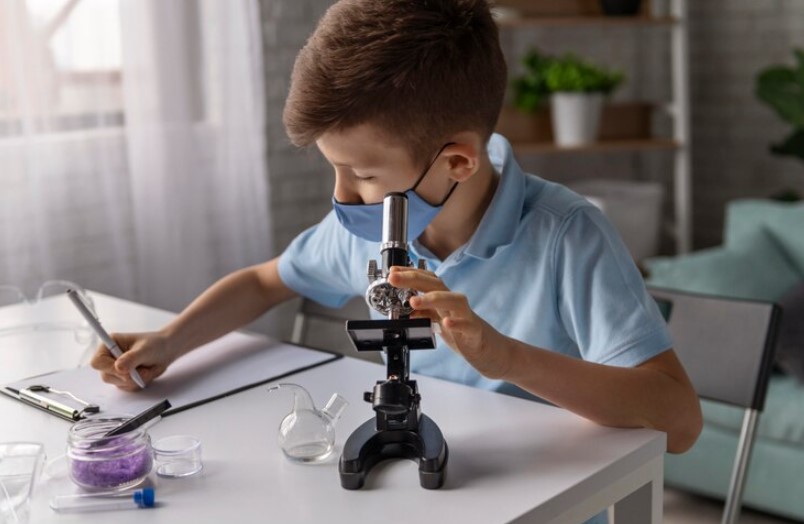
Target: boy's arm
229 304
656 394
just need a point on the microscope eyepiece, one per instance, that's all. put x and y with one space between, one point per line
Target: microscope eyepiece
381 295
394 230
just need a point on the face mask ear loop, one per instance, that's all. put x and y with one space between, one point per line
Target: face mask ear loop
454 186
427 169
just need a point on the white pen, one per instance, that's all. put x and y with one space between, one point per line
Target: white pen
108 341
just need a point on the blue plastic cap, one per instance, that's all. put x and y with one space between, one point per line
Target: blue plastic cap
145 497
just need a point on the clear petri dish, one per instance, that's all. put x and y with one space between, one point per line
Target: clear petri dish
177 456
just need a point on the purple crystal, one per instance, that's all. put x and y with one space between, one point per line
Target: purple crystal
112 465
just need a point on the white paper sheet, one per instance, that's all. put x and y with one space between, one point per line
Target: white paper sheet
227 365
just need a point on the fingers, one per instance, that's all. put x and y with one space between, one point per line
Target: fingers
148 373
437 301
102 360
454 304
125 382
460 325
432 315
128 361
128 344
136 351
417 279
122 382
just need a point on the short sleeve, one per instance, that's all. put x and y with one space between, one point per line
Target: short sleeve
602 300
318 264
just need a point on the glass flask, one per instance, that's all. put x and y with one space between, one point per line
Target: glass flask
307 434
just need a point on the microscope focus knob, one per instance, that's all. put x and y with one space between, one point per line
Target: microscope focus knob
373 274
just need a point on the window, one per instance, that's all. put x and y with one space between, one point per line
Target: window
60 65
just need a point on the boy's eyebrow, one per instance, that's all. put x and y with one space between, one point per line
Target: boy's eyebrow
365 166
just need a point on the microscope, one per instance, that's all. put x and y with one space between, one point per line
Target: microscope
399 428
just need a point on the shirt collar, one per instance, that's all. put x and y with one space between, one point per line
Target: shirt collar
499 223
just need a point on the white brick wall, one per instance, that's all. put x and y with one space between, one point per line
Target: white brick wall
301 181
730 41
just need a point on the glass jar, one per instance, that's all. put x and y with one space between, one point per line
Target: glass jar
107 463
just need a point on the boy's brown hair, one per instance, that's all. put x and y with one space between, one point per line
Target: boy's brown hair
419 70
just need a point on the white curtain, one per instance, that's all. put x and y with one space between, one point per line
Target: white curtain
151 196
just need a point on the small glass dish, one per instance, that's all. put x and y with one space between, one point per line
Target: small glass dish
20 465
177 456
99 463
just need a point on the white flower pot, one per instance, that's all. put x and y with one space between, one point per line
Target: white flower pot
576 117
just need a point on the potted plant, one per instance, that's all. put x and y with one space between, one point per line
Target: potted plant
530 89
575 90
782 88
527 117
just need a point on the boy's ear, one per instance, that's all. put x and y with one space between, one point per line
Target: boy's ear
463 155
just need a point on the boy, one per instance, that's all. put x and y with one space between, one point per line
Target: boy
530 284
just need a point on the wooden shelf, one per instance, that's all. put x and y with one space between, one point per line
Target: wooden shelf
609 146
587 21
518 18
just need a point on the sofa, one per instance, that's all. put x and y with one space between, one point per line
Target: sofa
762 257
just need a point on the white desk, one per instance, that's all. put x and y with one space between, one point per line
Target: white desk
510 460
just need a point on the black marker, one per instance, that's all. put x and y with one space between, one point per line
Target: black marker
139 420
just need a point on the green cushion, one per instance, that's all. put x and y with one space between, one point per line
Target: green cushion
783 220
774 476
755 268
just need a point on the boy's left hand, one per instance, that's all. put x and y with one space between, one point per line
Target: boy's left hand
464 331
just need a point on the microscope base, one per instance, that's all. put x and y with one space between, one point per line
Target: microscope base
367 446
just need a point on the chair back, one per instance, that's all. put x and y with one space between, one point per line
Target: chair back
323 327
725 344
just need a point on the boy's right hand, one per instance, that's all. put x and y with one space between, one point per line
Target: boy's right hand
149 353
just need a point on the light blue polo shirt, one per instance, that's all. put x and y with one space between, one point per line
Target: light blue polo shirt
544 266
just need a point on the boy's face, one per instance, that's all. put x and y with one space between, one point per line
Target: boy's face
368 165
